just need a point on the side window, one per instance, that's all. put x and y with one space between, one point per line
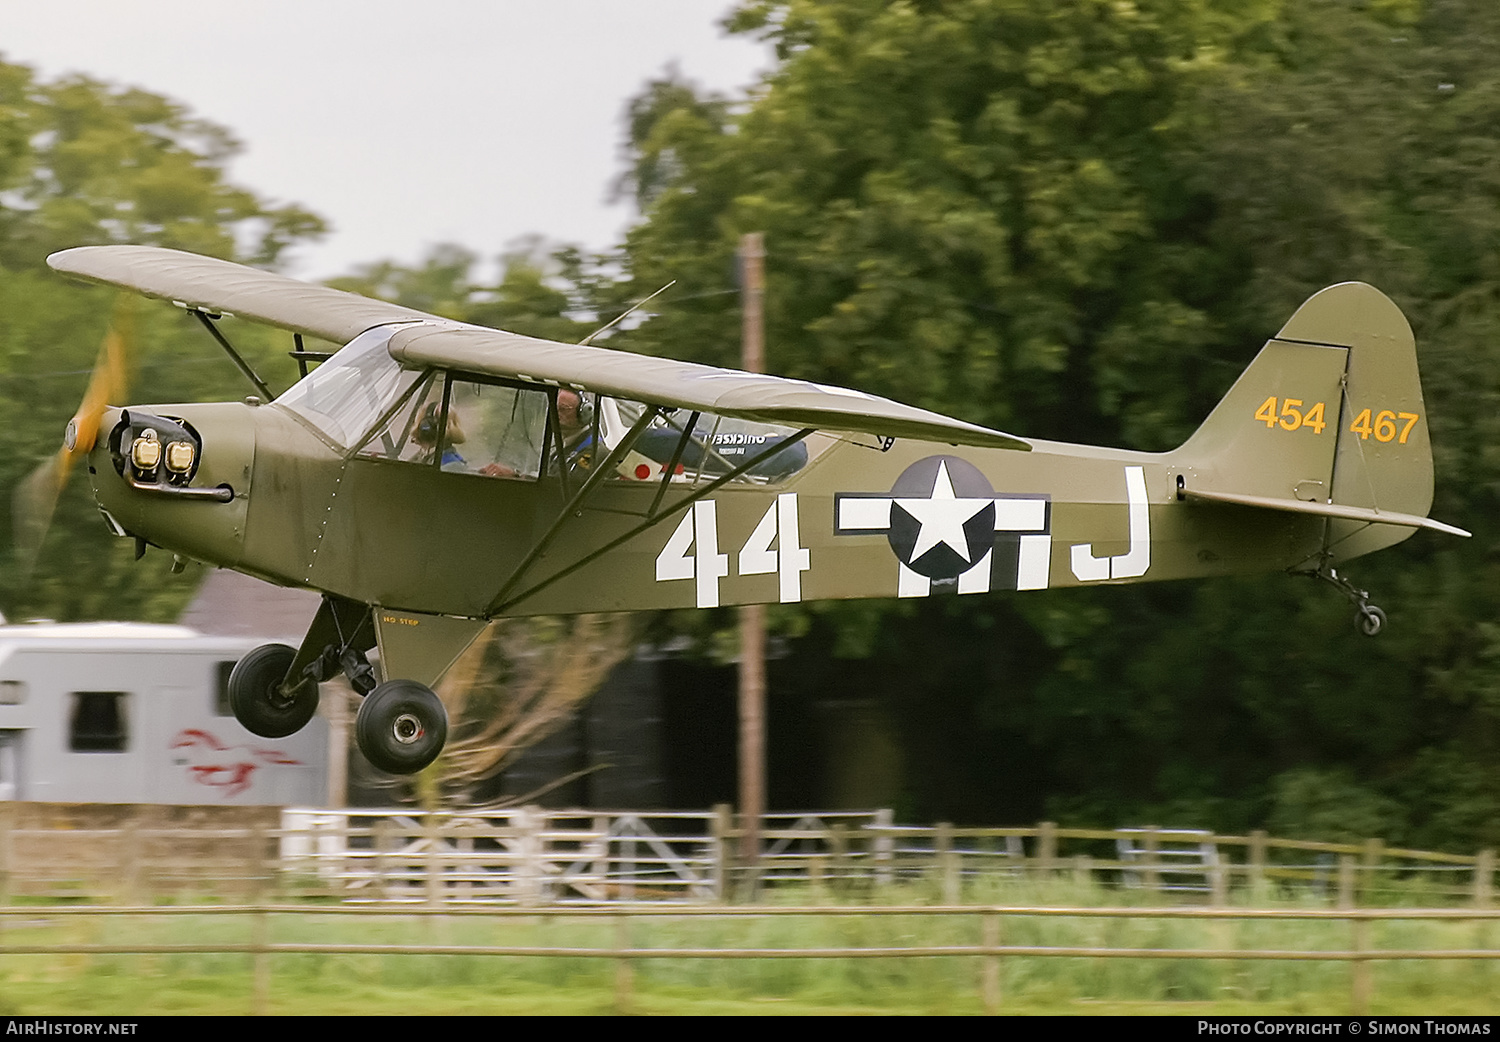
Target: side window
707 447
494 430
97 722
221 688
468 427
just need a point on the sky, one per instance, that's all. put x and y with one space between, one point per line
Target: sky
404 124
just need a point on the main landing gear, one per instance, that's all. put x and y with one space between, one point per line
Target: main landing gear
273 691
260 698
401 726
1368 619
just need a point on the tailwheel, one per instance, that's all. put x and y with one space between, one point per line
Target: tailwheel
260 697
1370 620
401 726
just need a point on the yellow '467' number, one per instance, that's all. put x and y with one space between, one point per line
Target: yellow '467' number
1383 426
1291 416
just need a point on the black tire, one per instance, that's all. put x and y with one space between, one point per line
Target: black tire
1370 621
258 700
401 726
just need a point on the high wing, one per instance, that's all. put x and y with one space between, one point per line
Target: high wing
220 286
662 381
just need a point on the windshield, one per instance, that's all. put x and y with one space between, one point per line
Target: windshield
345 395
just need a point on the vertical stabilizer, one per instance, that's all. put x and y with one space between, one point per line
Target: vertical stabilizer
1329 412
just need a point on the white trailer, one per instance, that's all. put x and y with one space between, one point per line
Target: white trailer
132 713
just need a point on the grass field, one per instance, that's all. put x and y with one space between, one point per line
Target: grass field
398 984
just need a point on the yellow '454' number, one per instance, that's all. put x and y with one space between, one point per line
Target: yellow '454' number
1383 426
1291 415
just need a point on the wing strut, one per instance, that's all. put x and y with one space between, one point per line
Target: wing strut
670 469
500 604
576 501
244 366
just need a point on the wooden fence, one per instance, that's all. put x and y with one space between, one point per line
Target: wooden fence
533 857
985 949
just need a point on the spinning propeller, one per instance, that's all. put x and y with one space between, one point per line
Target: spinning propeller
35 498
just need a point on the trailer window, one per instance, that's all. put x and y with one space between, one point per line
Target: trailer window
97 723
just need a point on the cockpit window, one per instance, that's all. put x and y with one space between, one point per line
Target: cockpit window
467 426
713 447
345 395
362 398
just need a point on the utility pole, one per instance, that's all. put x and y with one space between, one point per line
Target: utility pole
752 693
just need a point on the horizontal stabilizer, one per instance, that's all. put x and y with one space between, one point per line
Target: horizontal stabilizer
1343 513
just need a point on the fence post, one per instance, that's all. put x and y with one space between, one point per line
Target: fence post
989 977
433 862
817 871
382 846
1373 853
1046 847
624 967
260 999
600 870
528 872
885 847
1218 875
1346 881
130 857
1484 878
945 862
1360 971
838 842
1257 855
723 827
262 865
1083 870
1150 849
7 850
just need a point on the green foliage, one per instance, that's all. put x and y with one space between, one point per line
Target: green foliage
1075 218
87 162
1079 219
82 162
549 292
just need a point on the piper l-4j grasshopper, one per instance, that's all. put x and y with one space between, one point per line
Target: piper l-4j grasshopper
431 475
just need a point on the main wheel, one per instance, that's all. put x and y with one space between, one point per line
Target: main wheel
401 726
1371 620
259 700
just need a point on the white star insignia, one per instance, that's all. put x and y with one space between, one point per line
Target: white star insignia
942 517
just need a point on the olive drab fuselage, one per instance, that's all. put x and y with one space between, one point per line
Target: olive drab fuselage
418 539
858 517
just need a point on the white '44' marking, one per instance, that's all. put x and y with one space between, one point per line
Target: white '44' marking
693 551
789 560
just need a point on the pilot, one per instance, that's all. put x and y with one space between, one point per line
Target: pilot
426 435
574 417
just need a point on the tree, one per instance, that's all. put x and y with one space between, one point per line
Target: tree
1079 220
550 292
84 162
516 685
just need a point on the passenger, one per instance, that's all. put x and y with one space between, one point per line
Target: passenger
426 435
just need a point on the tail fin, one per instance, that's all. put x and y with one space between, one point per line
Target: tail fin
1329 420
